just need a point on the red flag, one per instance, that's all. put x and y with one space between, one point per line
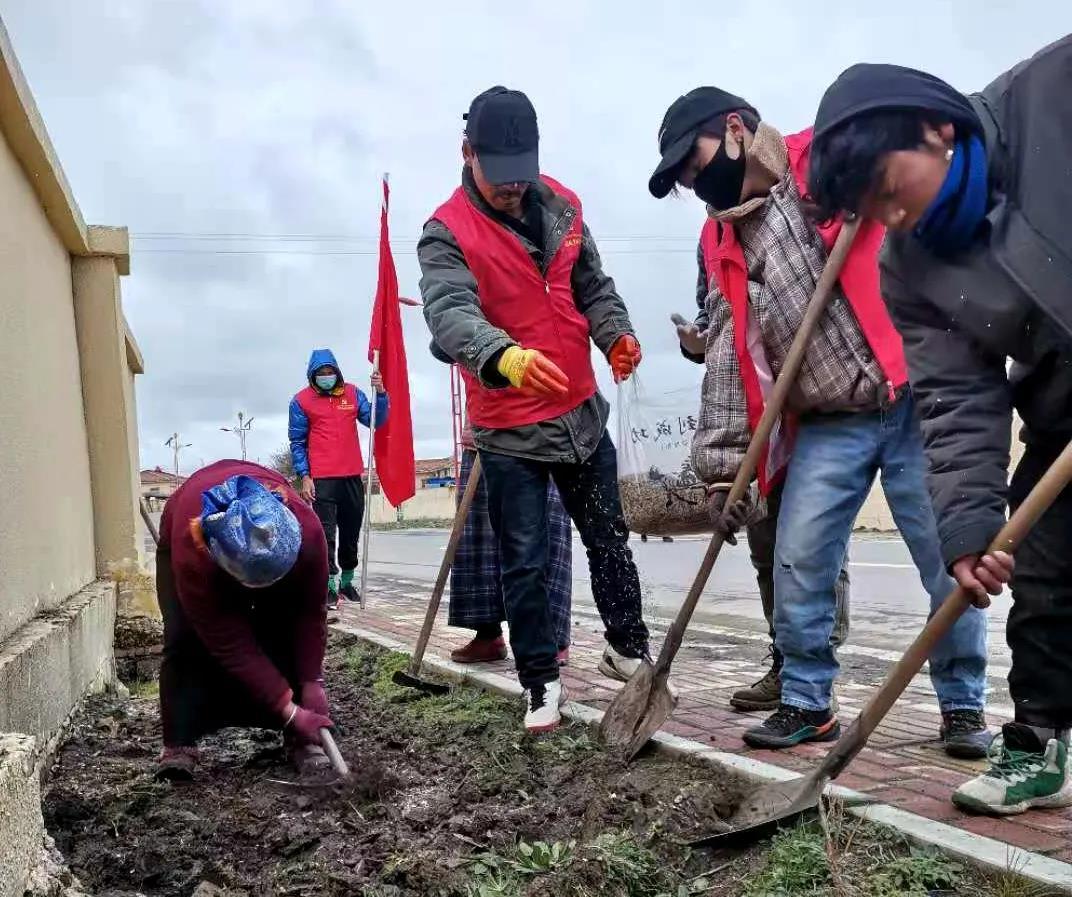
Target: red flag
394 441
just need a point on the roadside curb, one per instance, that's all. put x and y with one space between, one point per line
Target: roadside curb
988 853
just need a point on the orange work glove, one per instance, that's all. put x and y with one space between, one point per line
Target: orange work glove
624 356
533 372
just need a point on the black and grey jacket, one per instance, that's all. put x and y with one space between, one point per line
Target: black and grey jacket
462 333
1008 297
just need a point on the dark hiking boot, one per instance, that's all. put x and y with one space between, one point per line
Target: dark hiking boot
766 694
790 725
964 734
177 764
480 650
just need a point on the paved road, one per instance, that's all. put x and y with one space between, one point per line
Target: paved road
889 605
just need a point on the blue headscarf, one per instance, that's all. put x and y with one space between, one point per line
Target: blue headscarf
250 532
953 218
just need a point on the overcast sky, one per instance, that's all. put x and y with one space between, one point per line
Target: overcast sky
228 121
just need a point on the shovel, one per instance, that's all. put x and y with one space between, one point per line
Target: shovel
150 525
410 677
645 702
783 803
327 741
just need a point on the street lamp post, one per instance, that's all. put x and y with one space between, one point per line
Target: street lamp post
241 431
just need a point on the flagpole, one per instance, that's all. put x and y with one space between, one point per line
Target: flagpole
368 483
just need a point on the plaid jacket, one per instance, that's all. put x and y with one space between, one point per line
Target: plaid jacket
784 254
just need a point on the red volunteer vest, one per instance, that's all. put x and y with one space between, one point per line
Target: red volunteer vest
334 449
724 262
537 312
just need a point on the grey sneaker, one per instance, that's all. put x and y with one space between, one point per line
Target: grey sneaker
965 735
766 694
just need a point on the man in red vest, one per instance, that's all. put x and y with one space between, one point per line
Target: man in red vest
514 291
326 454
851 414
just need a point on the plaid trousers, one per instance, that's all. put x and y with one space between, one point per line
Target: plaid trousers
476 597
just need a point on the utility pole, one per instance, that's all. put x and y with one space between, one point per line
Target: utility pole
176 445
241 431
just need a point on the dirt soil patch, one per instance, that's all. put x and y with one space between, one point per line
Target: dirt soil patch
448 799
438 782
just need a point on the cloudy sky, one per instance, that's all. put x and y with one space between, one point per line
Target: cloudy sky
242 143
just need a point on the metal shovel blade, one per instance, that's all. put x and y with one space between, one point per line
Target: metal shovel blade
661 704
621 718
766 810
638 712
401 677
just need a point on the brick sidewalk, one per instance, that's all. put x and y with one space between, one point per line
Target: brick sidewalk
903 766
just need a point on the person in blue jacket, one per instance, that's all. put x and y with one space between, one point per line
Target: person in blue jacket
327 456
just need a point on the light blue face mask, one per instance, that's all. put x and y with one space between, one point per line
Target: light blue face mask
326 382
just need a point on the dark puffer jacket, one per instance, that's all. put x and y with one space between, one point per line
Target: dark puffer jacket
1009 297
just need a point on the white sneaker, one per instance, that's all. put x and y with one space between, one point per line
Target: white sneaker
542 707
614 666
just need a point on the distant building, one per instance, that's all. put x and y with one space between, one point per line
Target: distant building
157 485
435 473
431 473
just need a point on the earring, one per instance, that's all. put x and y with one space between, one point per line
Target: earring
949 154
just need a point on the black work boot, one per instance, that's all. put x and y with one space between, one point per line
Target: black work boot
765 694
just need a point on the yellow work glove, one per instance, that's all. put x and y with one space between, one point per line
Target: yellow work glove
532 371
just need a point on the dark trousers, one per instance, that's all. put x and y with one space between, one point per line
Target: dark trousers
517 505
197 695
340 505
1039 631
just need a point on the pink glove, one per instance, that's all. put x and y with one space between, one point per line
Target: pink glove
306 725
314 699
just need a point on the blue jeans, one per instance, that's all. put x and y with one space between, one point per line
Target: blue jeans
833 466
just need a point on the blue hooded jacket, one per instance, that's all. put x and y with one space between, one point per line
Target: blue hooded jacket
298 424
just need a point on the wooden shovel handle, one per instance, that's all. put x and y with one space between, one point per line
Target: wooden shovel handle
1012 534
773 410
444 567
334 755
149 524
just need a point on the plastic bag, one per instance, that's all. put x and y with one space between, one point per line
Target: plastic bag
661 495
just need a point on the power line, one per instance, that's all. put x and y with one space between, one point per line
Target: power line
372 252
354 238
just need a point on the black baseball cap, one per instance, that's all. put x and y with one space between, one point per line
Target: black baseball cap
681 127
501 127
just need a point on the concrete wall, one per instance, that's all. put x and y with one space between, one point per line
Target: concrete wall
69 471
109 360
46 530
427 504
21 825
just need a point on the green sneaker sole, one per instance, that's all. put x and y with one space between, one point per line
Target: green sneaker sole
969 804
761 738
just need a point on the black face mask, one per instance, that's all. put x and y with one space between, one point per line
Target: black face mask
719 184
